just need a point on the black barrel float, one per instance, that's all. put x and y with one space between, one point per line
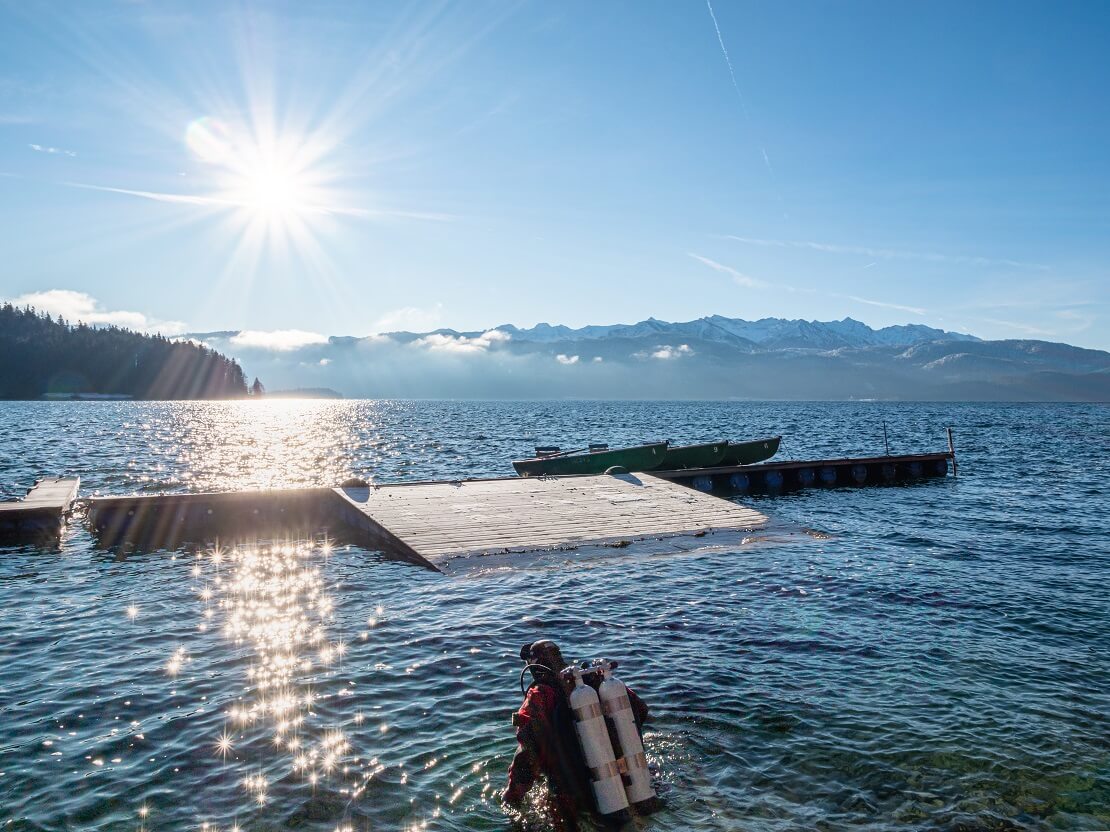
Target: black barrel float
703 482
741 482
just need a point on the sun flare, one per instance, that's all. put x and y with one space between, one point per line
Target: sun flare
272 191
265 179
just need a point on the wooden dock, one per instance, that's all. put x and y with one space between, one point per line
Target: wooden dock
430 523
42 511
166 520
438 523
441 521
788 475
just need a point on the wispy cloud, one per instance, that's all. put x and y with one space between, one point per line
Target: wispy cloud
1055 317
59 151
885 253
461 344
754 283
1030 303
226 203
1020 327
277 340
78 307
181 199
1079 321
915 310
410 319
14 119
566 359
738 277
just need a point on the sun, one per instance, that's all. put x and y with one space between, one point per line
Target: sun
276 188
267 181
272 191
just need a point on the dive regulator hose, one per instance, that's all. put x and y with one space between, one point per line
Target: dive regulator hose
529 666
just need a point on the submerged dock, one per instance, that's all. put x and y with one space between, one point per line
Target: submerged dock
435 523
441 521
42 511
430 523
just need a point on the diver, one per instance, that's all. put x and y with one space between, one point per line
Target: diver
550 743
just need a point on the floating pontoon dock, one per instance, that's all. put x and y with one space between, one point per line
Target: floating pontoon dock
441 521
42 511
431 523
794 474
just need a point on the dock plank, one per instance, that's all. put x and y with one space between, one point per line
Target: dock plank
42 510
436 521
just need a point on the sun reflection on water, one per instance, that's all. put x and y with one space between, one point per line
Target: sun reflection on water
273 600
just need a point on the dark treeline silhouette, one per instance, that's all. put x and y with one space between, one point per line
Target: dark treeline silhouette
40 355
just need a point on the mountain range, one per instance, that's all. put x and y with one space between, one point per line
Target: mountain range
767 333
711 357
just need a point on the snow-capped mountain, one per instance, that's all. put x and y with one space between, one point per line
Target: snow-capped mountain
711 357
768 333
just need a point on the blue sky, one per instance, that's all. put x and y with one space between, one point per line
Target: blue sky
353 168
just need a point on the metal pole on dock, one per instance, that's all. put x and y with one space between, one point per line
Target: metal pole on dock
886 442
952 450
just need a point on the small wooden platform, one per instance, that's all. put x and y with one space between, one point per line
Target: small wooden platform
42 510
436 522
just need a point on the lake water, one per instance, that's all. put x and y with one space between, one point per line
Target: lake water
938 658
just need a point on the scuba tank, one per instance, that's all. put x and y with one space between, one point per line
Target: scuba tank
589 723
617 708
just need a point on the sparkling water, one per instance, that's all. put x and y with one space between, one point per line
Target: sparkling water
928 656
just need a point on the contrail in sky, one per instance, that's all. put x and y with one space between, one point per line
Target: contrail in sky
735 85
728 60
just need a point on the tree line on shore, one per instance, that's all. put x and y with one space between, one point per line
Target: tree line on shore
45 356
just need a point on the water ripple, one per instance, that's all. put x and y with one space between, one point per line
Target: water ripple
937 660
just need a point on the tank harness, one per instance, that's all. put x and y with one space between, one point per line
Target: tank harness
595 738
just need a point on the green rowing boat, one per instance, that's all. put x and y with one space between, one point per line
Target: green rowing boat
751 452
694 456
638 458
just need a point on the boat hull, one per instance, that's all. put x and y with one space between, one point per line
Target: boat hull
693 456
639 458
749 453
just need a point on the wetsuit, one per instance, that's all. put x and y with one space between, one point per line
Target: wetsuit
549 746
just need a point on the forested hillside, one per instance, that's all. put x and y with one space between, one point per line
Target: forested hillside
40 355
